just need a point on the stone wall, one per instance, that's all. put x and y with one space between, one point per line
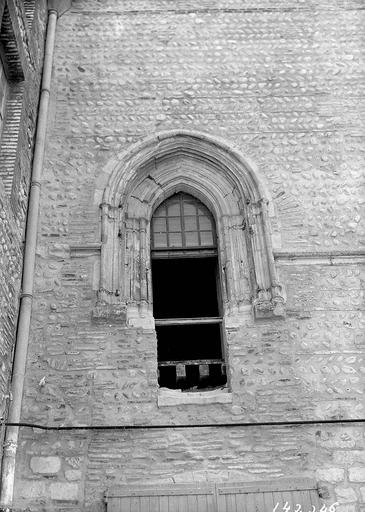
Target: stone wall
282 84
15 183
67 470
308 366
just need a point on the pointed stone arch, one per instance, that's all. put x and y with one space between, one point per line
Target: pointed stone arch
217 174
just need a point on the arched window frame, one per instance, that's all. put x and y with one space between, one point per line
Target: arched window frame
187 295
215 173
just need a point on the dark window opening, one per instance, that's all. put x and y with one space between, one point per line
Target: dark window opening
189 342
186 298
184 287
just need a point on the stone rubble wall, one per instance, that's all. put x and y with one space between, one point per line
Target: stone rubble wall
63 469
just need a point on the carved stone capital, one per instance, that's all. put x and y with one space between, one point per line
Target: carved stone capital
268 305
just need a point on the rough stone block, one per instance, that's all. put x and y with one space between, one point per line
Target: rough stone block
31 489
64 491
346 508
348 456
330 474
73 474
345 494
45 465
362 492
357 474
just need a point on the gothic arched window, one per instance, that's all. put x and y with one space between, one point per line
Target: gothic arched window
186 294
186 253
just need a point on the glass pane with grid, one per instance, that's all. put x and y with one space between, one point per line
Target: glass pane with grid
180 222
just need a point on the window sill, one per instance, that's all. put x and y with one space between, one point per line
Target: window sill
172 397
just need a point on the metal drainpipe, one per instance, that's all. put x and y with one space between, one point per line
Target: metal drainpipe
21 347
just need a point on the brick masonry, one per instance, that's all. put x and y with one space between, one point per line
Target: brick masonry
14 183
282 83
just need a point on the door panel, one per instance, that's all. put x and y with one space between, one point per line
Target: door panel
174 498
294 495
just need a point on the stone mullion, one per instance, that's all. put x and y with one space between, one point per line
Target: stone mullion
132 262
109 233
122 260
238 243
128 268
104 236
222 262
275 285
143 261
269 300
258 251
116 257
227 263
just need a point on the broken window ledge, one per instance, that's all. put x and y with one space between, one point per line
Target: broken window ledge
172 397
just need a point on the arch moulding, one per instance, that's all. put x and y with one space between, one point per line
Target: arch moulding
217 174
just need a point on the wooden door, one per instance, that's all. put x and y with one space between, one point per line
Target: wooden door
289 495
164 498
284 495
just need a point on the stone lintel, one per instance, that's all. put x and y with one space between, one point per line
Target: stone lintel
173 397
